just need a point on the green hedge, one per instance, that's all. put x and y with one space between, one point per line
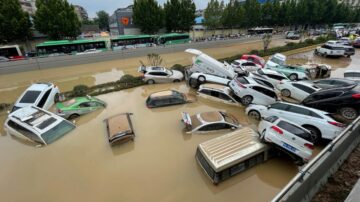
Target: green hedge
288 47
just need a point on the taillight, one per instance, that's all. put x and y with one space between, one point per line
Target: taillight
59 111
277 129
334 123
240 84
356 96
309 146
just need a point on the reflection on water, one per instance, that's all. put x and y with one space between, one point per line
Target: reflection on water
158 166
105 77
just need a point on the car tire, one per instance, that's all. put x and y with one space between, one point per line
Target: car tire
254 114
150 81
201 79
194 83
73 116
285 93
246 100
293 77
348 113
56 98
176 81
315 133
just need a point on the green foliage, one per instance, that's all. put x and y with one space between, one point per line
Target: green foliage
57 19
127 78
213 14
179 15
14 23
103 20
4 106
148 15
153 59
80 90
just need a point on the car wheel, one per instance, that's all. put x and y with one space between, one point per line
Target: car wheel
56 98
150 81
315 134
293 77
176 80
348 113
254 114
73 116
285 93
194 83
201 79
246 100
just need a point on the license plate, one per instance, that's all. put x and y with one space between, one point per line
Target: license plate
289 147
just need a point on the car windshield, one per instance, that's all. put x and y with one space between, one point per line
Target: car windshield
277 61
57 131
30 96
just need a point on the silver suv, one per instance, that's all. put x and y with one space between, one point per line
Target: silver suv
160 75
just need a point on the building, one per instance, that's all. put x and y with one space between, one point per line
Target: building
81 13
121 22
28 6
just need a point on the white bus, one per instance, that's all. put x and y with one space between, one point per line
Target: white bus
11 52
230 154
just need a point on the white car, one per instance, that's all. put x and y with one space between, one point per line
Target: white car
42 95
251 92
320 123
218 93
240 66
37 125
197 78
275 60
154 75
209 121
336 50
353 75
271 76
298 90
287 136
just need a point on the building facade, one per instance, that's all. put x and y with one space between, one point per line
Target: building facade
121 22
28 6
81 13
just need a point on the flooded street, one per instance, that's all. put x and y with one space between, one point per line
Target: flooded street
158 166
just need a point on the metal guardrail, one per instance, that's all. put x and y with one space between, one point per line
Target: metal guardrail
311 177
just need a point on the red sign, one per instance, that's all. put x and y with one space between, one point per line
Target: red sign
125 20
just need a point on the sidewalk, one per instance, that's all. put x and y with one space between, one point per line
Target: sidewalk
354 195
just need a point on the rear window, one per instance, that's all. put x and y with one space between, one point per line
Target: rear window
242 80
30 96
294 129
57 131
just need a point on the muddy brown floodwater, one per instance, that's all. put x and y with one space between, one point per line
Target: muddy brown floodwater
158 166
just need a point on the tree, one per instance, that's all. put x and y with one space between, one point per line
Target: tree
230 15
148 15
103 20
153 59
252 9
14 23
213 14
179 15
266 41
57 19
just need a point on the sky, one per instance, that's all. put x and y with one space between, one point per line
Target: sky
92 6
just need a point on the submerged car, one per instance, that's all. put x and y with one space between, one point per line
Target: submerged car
168 98
219 93
37 125
209 121
298 90
287 136
78 106
255 59
42 95
154 75
119 128
292 72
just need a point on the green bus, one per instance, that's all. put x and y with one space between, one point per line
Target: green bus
173 38
132 41
70 47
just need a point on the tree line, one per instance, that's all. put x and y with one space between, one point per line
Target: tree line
296 13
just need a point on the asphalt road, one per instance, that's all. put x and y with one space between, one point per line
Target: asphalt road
68 60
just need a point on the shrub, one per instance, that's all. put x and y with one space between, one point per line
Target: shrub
179 68
4 106
309 41
80 90
127 78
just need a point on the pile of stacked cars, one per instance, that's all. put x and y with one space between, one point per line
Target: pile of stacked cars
334 48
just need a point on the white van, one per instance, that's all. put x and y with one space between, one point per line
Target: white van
230 154
205 64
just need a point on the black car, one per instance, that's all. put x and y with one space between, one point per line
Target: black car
167 98
345 101
333 83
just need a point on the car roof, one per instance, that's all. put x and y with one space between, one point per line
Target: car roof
213 86
210 117
154 68
164 93
352 70
302 106
39 86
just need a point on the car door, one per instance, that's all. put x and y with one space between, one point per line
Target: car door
262 95
298 115
162 77
277 109
327 101
84 108
301 91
